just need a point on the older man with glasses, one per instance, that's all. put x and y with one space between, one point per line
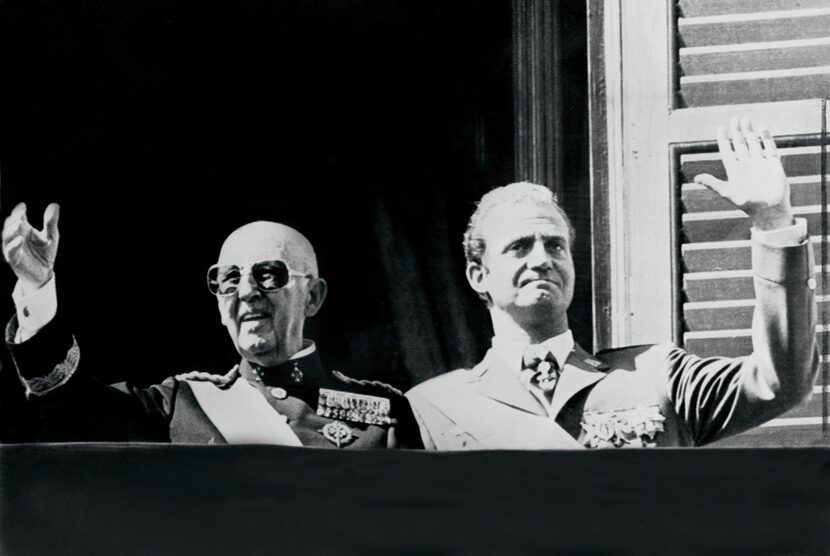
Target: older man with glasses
266 285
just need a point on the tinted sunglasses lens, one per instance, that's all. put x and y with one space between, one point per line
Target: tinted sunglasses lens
270 275
223 280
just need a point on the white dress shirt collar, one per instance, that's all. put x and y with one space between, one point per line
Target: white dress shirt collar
512 351
309 347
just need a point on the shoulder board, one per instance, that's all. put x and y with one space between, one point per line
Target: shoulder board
222 381
621 356
625 349
371 383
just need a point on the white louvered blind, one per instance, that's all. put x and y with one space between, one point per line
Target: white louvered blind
717 289
749 53
677 257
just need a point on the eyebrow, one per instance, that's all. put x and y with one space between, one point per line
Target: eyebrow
520 237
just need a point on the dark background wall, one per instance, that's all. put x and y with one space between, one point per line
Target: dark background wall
162 125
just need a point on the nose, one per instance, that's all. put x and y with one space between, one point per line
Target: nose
247 288
539 256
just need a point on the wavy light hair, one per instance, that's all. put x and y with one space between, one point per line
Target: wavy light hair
519 193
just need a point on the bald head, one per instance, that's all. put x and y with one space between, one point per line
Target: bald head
263 241
266 324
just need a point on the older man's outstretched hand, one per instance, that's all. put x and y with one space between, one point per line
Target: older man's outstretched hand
30 252
756 182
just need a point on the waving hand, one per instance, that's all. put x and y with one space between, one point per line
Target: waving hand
756 182
30 252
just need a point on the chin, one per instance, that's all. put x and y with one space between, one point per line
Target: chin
543 306
538 297
255 344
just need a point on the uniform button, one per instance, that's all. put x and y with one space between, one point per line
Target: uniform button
279 393
811 283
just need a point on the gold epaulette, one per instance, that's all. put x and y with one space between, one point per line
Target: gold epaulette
373 383
222 381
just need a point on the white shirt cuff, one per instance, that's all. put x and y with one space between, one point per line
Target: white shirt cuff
34 309
783 237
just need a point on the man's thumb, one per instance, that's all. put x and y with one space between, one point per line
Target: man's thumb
711 182
50 220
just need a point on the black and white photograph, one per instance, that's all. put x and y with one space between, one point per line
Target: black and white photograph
386 276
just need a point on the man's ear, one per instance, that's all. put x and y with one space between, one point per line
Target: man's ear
316 296
475 276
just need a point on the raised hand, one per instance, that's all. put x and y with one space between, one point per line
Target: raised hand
756 182
31 253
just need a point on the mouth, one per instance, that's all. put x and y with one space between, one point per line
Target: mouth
253 316
545 282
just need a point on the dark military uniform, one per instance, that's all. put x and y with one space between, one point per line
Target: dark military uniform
321 408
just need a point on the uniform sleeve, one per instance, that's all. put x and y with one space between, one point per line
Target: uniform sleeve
407 432
72 405
718 397
416 400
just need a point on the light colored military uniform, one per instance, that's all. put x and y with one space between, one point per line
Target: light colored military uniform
642 396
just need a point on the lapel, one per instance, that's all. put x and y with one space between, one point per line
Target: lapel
580 371
492 406
499 383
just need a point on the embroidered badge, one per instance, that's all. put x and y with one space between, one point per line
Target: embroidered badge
296 374
338 433
637 427
359 408
58 376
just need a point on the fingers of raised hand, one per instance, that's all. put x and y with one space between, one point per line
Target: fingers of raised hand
738 139
750 138
50 221
16 223
725 147
770 150
12 248
743 142
710 181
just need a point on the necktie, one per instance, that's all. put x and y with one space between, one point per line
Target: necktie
542 368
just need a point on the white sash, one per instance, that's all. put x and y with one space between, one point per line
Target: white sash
242 414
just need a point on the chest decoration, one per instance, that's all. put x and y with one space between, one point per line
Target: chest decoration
636 427
359 408
296 374
338 433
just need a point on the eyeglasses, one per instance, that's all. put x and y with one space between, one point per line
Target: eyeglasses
268 275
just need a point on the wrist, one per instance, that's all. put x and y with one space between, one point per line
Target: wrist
31 284
773 218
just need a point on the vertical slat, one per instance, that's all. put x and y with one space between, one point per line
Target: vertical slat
537 95
824 260
600 171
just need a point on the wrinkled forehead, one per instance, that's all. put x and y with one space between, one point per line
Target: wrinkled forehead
263 241
513 221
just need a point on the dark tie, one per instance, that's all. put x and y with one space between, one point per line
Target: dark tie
542 368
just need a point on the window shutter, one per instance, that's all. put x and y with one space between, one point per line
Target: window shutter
745 53
673 73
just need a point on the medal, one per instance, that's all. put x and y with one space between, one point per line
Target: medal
637 426
338 433
358 408
279 393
